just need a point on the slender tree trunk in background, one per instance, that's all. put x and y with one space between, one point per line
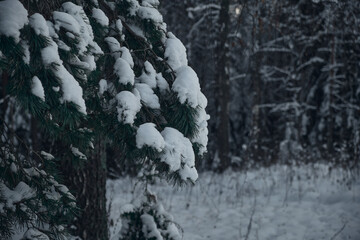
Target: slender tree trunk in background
255 132
222 82
89 186
331 89
256 79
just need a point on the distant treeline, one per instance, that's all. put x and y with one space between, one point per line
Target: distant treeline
292 85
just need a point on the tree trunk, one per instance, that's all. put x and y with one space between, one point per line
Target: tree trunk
330 132
89 185
255 131
223 94
256 61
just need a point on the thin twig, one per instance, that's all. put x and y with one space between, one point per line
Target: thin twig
250 221
338 232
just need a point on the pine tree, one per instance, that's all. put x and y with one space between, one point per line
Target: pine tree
92 74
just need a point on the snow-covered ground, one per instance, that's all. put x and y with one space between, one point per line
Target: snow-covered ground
280 202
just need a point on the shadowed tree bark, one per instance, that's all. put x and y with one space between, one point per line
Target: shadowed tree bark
89 186
223 87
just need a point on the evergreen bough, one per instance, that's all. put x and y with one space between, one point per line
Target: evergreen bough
90 76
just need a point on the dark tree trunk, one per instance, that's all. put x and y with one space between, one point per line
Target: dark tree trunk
330 132
255 131
256 61
88 183
223 91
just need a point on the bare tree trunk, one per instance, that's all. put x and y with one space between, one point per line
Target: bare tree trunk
255 151
255 132
223 93
330 118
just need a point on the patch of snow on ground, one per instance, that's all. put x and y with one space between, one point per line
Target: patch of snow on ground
280 202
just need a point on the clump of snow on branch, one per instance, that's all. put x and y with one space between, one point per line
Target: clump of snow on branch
21 192
37 88
66 21
100 17
175 52
187 87
38 23
25 47
124 72
201 121
126 55
147 135
77 153
47 156
128 106
161 83
149 12
178 154
114 46
119 52
148 96
149 75
102 86
13 17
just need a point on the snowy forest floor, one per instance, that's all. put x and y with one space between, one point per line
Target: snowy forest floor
280 202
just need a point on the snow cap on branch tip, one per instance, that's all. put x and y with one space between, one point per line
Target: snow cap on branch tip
13 17
148 135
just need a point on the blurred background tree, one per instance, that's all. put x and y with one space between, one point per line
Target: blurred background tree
293 71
